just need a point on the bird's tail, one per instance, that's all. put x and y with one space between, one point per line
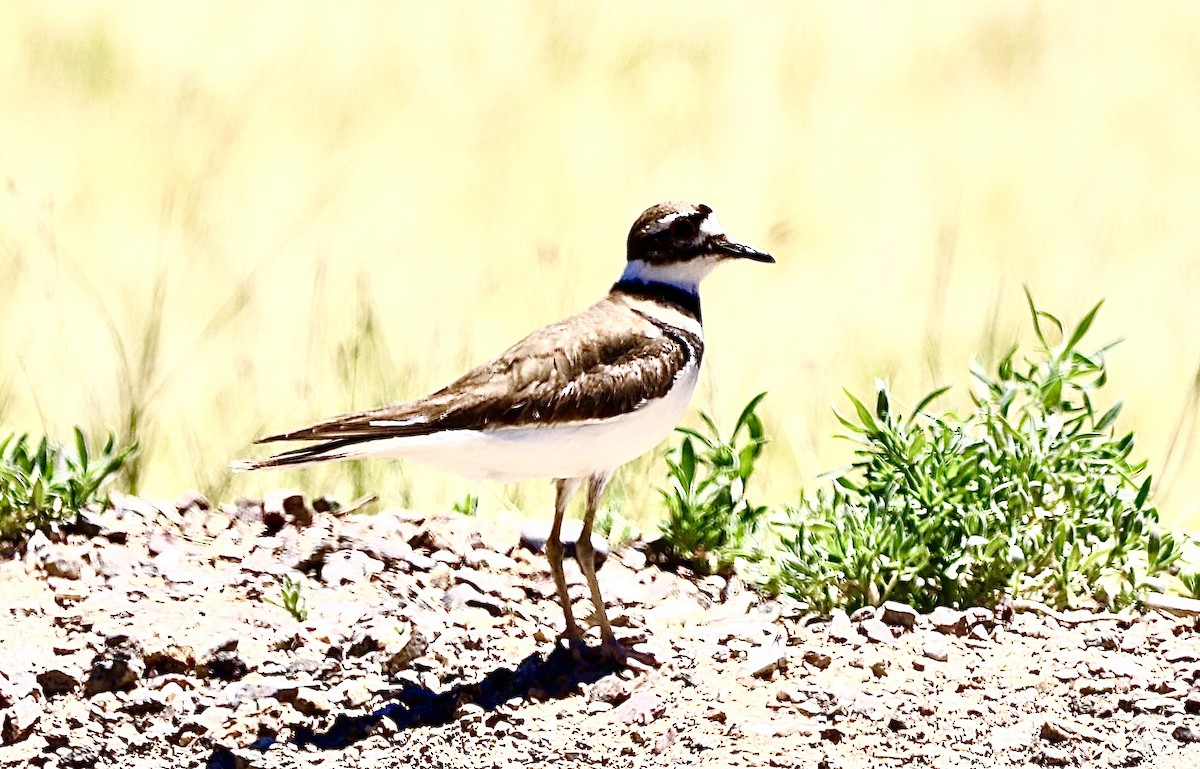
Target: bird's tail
308 455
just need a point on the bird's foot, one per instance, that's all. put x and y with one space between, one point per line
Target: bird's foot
574 638
617 653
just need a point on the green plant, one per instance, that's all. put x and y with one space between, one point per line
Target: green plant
49 482
468 505
290 598
616 528
1031 494
710 522
1191 580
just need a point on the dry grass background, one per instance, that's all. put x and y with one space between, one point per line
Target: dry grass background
229 218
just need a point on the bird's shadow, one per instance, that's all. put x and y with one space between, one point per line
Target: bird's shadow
537 677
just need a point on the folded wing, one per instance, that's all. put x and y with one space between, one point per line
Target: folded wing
555 374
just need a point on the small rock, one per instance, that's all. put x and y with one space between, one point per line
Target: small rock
141 702
936 651
448 557
1102 638
665 740
215 523
161 541
863 613
38 549
226 665
469 713
1192 703
355 694
979 615
64 567
19 719
349 566
248 510
1054 757
482 557
440 575
430 540
196 724
1157 705
611 689
252 689
898 614
393 554
840 627
16 686
163 656
190 499
60 680
79 757
832 734
1119 666
818 658
284 507
496 585
1186 733
1061 730
112 562
1103 686
879 668
117 666
401 648
641 708
766 658
876 631
311 702
419 562
1055 731
463 594
1179 654
634 560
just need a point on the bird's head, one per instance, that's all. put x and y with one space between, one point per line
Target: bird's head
680 243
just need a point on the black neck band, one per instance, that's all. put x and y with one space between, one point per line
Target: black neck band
677 297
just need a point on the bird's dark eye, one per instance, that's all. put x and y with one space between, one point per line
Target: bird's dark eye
683 229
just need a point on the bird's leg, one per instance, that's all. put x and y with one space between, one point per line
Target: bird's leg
564 490
585 554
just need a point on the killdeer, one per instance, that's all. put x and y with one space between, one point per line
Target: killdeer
570 402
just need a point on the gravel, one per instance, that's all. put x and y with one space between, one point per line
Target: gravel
430 642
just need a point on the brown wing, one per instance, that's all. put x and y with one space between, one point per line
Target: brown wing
561 372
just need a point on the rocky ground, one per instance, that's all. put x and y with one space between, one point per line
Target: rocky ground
147 639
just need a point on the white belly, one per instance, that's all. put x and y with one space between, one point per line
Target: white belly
543 451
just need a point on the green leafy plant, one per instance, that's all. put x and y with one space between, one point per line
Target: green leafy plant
1191 581
710 522
47 482
291 599
1032 494
468 505
616 528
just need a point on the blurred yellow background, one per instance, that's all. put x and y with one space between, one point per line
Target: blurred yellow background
229 218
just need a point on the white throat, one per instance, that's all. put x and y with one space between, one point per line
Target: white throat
682 275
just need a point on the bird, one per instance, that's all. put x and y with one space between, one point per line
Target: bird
571 402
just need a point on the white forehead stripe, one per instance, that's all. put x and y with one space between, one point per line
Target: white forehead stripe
711 226
666 220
